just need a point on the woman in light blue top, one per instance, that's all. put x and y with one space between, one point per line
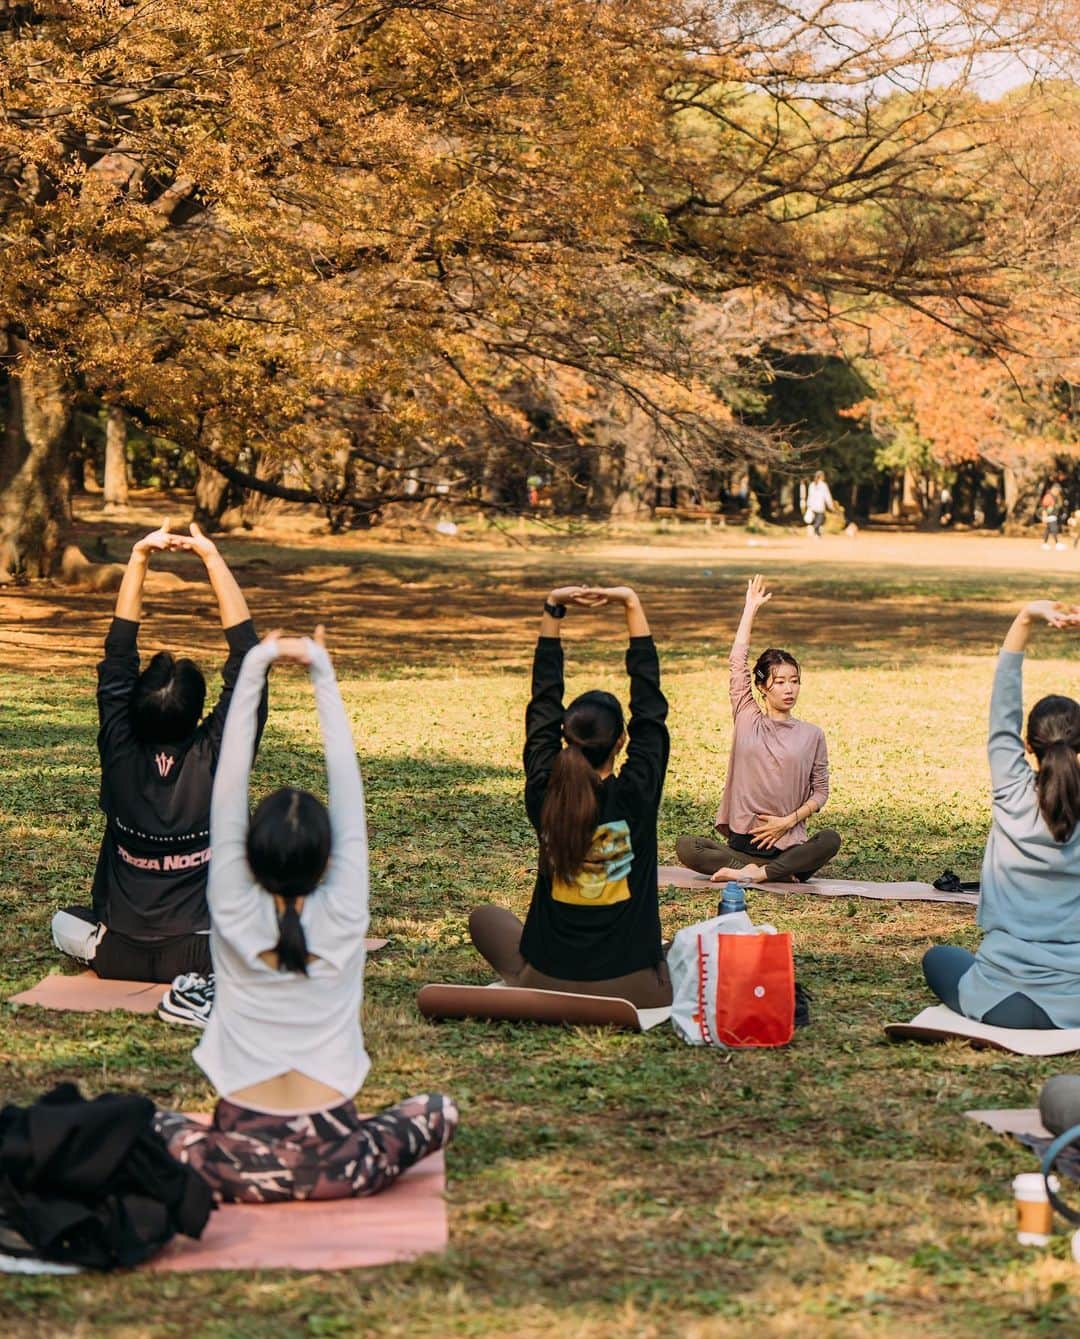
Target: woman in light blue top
1026 973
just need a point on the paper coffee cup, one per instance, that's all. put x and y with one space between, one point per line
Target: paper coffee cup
1034 1215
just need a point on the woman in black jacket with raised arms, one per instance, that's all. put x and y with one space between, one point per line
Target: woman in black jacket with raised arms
594 923
149 919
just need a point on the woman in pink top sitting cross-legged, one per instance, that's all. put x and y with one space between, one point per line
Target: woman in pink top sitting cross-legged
778 774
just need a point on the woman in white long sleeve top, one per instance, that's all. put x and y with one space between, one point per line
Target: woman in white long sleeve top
288 897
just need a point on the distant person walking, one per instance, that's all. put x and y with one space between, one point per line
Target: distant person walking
818 501
1051 508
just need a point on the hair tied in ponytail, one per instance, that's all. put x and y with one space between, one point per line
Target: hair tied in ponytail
592 727
1054 736
291 947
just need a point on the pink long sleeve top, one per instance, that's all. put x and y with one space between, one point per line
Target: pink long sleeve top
775 766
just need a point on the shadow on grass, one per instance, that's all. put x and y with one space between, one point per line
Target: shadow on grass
435 611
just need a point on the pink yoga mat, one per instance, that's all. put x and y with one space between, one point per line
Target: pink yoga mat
87 992
401 1223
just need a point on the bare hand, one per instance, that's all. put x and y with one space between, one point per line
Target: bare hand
768 829
756 594
157 541
1053 612
611 595
580 596
296 650
196 542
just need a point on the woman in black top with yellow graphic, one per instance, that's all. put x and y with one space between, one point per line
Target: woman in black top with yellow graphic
594 923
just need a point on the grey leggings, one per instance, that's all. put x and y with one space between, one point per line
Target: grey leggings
944 965
706 855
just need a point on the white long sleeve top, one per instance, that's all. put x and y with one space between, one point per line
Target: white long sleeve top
266 1022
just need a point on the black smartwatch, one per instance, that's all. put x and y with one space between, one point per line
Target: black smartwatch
555 610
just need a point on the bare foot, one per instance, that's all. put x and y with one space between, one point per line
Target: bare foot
745 874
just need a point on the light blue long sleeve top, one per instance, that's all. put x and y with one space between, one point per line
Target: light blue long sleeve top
1029 905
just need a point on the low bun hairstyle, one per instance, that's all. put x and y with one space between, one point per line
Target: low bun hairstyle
1053 732
592 726
767 663
288 846
168 700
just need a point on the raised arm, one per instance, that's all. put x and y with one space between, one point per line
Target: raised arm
650 745
544 714
119 669
346 889
229 874
739 688
232 606
1008 762
129 596
239 629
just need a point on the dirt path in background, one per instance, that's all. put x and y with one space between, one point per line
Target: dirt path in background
392 605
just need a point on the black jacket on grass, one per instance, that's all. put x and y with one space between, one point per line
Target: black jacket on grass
607 923
90 1183
151 873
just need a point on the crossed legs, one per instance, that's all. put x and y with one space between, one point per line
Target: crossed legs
496 935
707 855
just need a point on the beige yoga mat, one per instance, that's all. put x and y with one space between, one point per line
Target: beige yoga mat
516 1004
1012 1120
86 992
939 1023
677 876
400 1223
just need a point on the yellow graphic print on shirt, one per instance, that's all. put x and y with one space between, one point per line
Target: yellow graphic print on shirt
602 881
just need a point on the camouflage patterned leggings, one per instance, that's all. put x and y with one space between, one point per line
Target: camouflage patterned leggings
252 1157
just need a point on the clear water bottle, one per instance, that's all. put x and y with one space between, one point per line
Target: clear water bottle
733 899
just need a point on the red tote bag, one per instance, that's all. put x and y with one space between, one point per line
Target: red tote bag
754 999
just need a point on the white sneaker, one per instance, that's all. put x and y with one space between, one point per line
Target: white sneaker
1059 546
1046 545
188 1000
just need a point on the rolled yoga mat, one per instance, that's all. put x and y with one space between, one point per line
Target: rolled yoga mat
517 1004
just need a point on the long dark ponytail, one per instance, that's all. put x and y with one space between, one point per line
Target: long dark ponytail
288 845
592 726
1053 731
291 947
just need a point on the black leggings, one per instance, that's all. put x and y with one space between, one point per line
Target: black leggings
122 959
944 965
708 854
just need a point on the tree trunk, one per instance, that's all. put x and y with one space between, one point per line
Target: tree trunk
35 507
211 496
1012 492
257 507
13 444
116 479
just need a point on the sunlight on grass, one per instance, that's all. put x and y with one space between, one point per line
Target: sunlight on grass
606 1184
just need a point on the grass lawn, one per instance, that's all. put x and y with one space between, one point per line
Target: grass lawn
601 1184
